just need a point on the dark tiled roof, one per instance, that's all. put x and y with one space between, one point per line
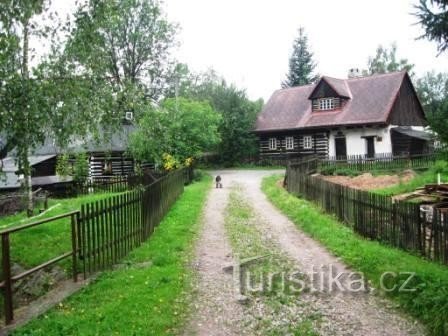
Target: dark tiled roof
371 102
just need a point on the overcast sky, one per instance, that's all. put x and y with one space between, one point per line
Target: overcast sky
249 41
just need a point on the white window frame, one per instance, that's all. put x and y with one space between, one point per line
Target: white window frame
326 104
289 142
272 143
307 142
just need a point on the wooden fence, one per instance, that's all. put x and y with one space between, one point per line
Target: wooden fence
381 161
110 228
400 224
102 232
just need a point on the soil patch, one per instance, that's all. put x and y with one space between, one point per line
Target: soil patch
367 181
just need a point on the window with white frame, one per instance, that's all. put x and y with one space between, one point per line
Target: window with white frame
289 142
307 142
326 104
272 143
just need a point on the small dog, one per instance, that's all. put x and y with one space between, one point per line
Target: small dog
218 182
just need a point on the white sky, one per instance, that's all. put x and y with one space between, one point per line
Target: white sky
249 41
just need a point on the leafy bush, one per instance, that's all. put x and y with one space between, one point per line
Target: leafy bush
440 167
335 170
346 172
63 167
198 175
81 168
328 170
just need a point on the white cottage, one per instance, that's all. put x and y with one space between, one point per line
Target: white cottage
341 117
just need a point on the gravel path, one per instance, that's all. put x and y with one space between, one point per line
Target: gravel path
218 313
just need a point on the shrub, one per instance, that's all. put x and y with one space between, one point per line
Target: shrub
440 167
346 172
328 170
198 175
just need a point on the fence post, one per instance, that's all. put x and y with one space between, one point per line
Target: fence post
6 264
74 226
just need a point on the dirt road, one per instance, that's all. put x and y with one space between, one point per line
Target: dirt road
217 311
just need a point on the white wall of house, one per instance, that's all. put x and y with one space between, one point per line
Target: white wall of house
356 144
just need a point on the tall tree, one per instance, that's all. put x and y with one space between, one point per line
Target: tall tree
385 60
301 64
238 114
432 89
433 16
126 41
22 105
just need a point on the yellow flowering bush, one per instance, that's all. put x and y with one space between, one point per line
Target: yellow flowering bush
169 162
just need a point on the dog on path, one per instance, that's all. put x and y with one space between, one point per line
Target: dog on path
218 182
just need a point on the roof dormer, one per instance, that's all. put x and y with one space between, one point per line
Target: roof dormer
329 94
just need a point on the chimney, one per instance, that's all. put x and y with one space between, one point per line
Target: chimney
354 73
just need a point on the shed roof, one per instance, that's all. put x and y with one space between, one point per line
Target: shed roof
422 135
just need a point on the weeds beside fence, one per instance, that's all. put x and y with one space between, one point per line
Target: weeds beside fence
381 161
102 232
400 224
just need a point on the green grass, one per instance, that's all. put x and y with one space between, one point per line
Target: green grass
34 246
422 178
279 306
153 300
429 303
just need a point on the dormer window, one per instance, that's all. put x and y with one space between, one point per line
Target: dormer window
326 104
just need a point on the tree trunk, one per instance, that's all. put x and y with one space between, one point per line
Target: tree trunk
25 160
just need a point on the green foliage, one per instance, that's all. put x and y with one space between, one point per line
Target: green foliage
198 175
182 128
429 176
429 303
137 300
238 113
128 41
385 60
301 64
339 171
440 167
63 167
432 89
433 16
81 168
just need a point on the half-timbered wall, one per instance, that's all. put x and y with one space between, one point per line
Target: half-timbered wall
120 164
319 140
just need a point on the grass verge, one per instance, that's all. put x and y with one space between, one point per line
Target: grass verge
274 310
426 177
34 246
151 300
429 303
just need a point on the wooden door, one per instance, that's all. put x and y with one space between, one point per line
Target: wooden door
341 147
370 143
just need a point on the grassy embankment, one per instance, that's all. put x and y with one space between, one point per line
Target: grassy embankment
139 299
429 303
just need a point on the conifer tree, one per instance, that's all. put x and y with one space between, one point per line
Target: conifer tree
301 64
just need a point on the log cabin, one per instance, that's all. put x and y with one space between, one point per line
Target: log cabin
333 117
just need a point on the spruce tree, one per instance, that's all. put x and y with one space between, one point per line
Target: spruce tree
433 16
301 64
